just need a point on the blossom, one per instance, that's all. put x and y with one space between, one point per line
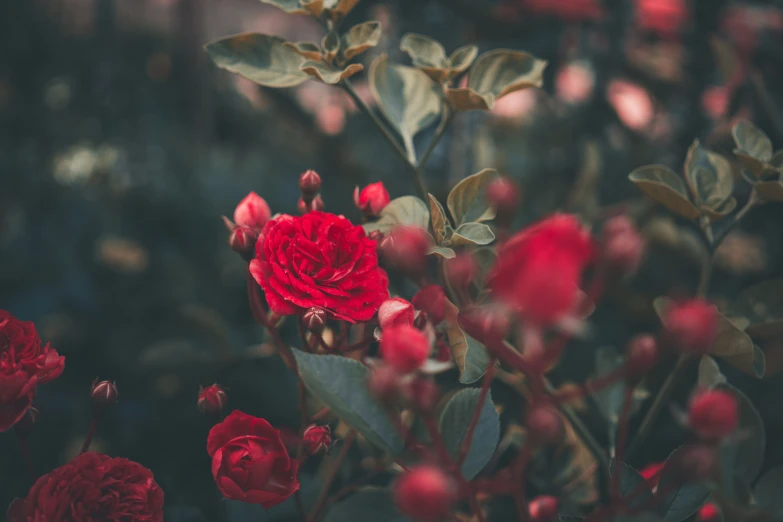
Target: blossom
371 199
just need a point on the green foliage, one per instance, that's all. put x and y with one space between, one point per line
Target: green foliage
470 356
635 487
360 38
467 201
454 422
406 210
429 55
679 501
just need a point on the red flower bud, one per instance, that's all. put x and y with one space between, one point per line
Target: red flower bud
104 394
543 509
252 212
314 319
25 425
486 324
503 194
692 325
309 182
242 240
461 270
713 414
624 246
404 348
432 300
317 439
395 311
544 425
709 513
423 395
642 355
212 399
315 204
372 199
406 249
384 384
425 494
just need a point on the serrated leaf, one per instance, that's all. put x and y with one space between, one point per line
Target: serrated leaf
361 37
260 58
503 71
472 234
709 176
635 485
407 97
770 190
454 422
289 6
328 74
470 356
462 100
665 187
341 384
679 501
768 490
371 504
309 50
405 210
754 148
468 202
440 221
710 375
444 252
744 456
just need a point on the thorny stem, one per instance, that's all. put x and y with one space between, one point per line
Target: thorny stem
90 434
622 435
347 443
485 384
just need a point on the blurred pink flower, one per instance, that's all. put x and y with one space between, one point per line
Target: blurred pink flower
330 118
665 17
715 101
633 103
572 10
574 82
515 106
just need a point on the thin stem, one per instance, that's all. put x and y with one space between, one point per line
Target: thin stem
259 315
705 275
520 498
753 200
439 132
24 449
347 443
90 434
485 385
622 435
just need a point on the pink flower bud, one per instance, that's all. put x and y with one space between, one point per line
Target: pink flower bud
212 399
317 439
242 240
642 355
503 194
624 246
309 182
425 494
692 325
404 348
252 212
395 311
544 425
314 319
713 414
423 395
104 394
461 270
543 509
25 425
372 199
406 249
384 383
431 300
709 513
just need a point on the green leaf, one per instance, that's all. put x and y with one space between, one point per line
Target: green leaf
632 483
440 222
309 50
408 98
343 7
770 190
754 148
710 375
503 71
455 421
467 201
762 306
745 456
330 44
462 58
444 252
405 210
341 384
328 74
470 356
768 490
371 504
313 7
665 187
261 58
361 37
424 51
486 258
709 176
679 501
462 100
289 6
472 234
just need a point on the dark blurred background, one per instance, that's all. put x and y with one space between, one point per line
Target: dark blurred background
121 146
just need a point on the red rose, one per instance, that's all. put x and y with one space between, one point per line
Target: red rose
24 364
372 199
539 269
317 438
91 488
250 462
322 260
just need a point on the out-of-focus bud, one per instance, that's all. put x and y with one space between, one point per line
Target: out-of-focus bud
371 199
504 195
384 383
212 399
425 494
314 319
693 463
375 235
642 355
394 312
104 394
543 509
309 183
461 270
432 300
404 348
25 425
624 245
692 325
713 414
709 513
486 324
317 203
252 212
406 248
423 395
317 439
544 425
242 240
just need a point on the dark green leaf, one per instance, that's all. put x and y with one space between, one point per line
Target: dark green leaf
472 234
679 501
709 176
762 306
470 356
754 148
341 384
633 484
770 190
289 6
486 258
462 58
502 71
261 58
444 252
309 50
455 421
744 456
467 201
440 221
361 37
424 51
405 210
665 187
769 488
371 504
328 74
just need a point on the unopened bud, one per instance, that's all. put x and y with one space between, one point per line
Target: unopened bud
252 212
461 270
212 399
709 513
692 325
317 203
242 240
543 509
25 425
425 494
309 183
371 199
544 425
642 355
404 348
314 319
624 246
384 384
713 414
504 195
406 249
317 439
424 395
394 312
104 394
